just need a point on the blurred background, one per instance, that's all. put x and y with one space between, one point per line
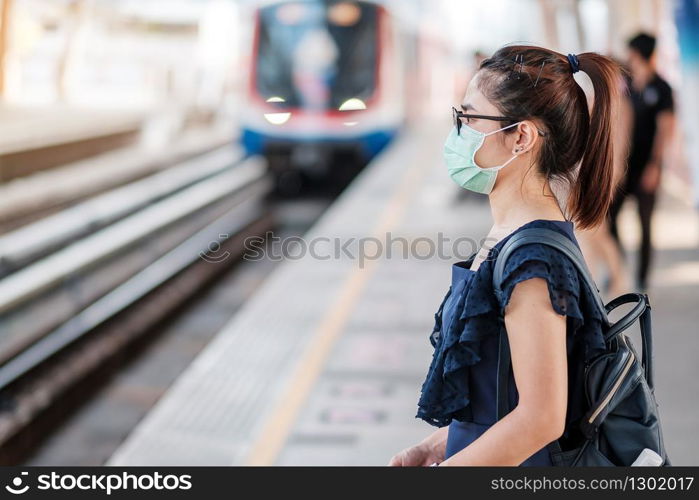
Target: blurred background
164 165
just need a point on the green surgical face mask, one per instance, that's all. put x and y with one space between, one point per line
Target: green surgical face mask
460 153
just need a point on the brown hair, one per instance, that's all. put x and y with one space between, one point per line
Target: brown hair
533 83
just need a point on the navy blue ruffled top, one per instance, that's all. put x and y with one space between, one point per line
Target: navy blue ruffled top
460 387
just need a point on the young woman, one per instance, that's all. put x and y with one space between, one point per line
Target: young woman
524 133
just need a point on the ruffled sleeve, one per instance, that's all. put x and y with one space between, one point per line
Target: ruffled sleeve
541 261
568 293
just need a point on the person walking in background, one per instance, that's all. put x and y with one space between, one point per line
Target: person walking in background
653 123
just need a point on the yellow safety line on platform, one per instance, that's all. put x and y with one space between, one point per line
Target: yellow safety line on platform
276 431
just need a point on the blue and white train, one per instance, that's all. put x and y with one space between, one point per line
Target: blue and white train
325 85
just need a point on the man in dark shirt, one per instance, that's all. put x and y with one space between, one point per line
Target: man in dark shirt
653 122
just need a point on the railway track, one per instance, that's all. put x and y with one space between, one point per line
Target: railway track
79 287
31 198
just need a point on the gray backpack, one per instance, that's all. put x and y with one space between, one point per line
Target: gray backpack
622 419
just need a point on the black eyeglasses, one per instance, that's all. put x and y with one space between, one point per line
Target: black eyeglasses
457 115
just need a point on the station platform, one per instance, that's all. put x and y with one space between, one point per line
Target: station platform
324 364
36 138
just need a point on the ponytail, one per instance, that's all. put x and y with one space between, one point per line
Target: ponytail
591 193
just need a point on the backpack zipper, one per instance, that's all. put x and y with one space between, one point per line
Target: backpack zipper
615 387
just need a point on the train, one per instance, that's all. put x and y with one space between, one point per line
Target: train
325 89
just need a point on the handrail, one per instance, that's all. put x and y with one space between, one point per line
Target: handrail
44 274
35 240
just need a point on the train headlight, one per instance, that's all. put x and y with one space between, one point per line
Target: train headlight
352 104
277 118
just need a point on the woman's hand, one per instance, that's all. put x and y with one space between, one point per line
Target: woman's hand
425 453
419 455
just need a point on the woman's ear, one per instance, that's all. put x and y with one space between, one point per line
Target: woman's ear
527 135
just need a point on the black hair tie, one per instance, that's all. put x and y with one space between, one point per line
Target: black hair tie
574 63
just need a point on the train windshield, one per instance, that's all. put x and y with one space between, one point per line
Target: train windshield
317 54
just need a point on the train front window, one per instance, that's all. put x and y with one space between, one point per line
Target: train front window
317 54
